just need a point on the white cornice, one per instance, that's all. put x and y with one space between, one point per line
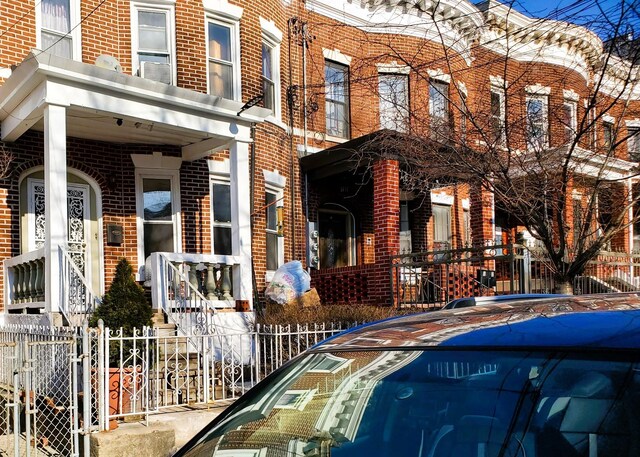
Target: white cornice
336 56
458 21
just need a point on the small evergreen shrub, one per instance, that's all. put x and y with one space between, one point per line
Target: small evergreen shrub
125 304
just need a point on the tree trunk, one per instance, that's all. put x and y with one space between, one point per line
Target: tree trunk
563 287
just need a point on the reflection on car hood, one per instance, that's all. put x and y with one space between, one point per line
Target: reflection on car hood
589 321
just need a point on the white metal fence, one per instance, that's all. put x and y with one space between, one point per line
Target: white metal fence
58 385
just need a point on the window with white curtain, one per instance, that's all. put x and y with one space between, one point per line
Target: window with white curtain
59 27
153 47
570 121
336 99
633 143
441 226
393 90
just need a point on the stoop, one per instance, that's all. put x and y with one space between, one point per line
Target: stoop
156 440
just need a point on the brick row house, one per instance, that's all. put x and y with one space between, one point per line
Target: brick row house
208 142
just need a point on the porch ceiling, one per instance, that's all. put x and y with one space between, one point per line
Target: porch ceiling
96 99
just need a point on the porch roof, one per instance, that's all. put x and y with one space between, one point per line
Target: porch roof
350 155
96 99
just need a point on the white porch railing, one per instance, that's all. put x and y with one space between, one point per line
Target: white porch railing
78 300
190 287
24 281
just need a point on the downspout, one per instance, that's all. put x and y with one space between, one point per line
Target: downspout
252 187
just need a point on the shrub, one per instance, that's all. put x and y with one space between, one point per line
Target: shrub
125 304
338 314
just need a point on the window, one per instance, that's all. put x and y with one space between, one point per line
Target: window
439 110
153 42
394 101
158 202
608 135
268 85
464 114
221 214
633 143
441 226
497 116
221 60
466 227
537 120
337 99
59 33
271 215
569 111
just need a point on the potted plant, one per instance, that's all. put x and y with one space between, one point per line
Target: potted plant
125 307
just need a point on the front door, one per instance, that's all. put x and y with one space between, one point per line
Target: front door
335 239
77 223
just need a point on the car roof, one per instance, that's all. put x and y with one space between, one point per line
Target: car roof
586 321
473 301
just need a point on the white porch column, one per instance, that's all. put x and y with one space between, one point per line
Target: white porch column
241 217
55 189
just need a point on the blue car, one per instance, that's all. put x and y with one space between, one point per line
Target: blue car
554 377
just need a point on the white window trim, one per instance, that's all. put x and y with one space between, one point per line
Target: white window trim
574 118
537 89
226 20
570 94
157 173
76 28
441 199
393 68
501 93
275 183
158 5
336 56
224 180
302 399
545 115
272 37
439 76
407 109
347 68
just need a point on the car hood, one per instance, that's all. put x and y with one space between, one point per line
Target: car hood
596 321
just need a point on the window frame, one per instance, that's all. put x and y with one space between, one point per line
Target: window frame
272 38
608 134
633 142
437 121
226 180
75 29
346 104
167 7
544 121
400 120
278 197
155 173
498 134
449 209
571 127
234 38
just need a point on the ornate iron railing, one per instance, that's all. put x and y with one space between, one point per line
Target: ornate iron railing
78 299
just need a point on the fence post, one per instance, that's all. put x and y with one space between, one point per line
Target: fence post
86 388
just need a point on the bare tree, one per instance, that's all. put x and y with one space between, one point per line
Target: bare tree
556 162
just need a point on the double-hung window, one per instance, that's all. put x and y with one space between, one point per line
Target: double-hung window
570 121
537 122
441 226
633 143
158 210
221 59
608 135
497 116
394 101
58 23
221 217
271 215
153 42
336 99
439 110
271 39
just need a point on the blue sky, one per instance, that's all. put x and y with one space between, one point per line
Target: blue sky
591 13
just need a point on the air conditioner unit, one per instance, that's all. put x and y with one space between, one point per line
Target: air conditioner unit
157 71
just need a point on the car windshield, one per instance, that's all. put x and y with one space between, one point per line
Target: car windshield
436 403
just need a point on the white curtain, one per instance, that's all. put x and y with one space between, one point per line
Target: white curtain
56 15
